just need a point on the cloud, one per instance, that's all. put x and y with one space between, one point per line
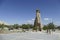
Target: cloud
33 19
46 19
30 21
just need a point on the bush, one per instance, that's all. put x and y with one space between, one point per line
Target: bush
24 26
45 27
16 26
34 28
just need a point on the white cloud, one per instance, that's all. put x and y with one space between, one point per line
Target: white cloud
46 19
30 21
33 19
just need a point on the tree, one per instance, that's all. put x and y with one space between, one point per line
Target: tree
45 27
48 27
16 26
51 26
35 28
24 26
58 27
30 26
2 26
10 27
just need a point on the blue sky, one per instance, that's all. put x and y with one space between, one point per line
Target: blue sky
23 11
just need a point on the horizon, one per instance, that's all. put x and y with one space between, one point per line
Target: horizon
24 11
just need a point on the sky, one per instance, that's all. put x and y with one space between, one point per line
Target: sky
24 11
